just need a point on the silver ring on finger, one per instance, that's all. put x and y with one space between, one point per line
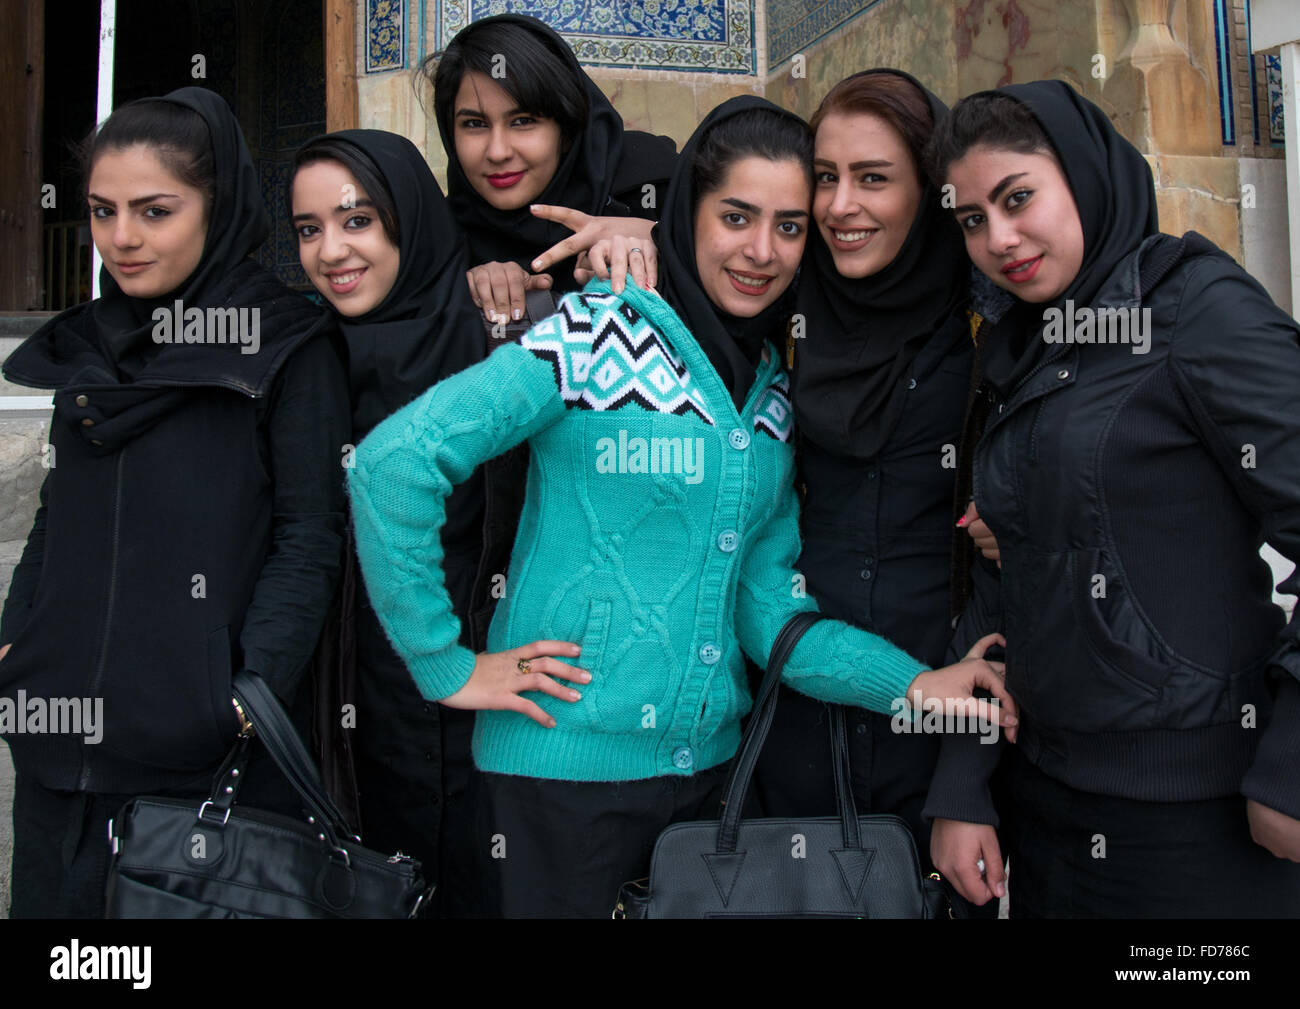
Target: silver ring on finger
630 251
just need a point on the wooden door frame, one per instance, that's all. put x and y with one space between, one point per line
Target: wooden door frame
341 101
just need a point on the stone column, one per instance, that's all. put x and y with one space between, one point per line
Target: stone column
1161 100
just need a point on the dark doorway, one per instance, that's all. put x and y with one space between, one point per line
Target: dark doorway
264 57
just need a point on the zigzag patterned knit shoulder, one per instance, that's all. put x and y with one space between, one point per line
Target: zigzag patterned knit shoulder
772 412
605 356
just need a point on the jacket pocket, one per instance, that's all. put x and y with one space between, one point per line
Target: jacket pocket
720 705
593 641
630 674
1129 666
174 714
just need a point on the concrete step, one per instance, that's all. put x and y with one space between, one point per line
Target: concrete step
15 327
22 324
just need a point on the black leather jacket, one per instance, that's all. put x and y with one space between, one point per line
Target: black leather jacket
1130 493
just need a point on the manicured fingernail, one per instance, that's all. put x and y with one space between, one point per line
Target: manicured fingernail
1000 889
519 314
551 724
576 649
535 264
586 677
1010 720
574 695
961 522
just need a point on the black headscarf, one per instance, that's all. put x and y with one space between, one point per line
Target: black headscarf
426 328
861 335
1116 198
583 180
237 224
733 344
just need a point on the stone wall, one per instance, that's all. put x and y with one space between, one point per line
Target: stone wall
23 433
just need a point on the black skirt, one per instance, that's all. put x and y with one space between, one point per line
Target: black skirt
1074 854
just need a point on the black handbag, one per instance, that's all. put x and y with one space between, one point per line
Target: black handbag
845 866
171 860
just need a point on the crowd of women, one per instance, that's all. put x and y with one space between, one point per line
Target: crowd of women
792 367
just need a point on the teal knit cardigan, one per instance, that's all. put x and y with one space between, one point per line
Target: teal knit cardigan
659 532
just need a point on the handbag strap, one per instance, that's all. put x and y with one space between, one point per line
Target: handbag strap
225 784
843 778
760 722
276 731
538 305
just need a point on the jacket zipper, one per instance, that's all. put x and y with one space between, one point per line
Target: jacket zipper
1021 384
97 681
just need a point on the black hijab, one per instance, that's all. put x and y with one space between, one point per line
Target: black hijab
237 224
861 335
426 328
1115 194
583 180
734 345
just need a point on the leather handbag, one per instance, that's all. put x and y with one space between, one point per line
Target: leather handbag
845 866
171 860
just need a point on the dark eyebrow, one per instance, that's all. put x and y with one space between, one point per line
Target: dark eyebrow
857 166
994 193
750 208
140 200
483 115
338 210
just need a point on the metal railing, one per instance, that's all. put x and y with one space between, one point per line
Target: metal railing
67 264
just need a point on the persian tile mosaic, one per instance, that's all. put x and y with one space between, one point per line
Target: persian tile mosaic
385 36
713 35
1273 76
794 25
1223 56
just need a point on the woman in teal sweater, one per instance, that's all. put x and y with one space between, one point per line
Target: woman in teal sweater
659 533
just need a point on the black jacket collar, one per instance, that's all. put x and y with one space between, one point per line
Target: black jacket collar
67 352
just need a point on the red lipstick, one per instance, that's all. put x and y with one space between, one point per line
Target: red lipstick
1022 270
753 290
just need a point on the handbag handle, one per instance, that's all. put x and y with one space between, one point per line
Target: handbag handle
751 745
276 731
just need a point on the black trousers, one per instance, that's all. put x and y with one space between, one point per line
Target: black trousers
413 766
1078 855
429 821
562 849
61 851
